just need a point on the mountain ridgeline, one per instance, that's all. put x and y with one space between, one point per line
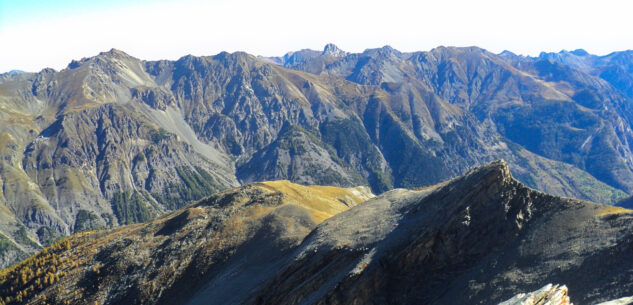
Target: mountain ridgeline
114 140
481 238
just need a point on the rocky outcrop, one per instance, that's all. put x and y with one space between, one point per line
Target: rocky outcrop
554 295
549 294
331 49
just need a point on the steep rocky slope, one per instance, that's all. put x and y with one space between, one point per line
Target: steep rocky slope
78 153
563 107
478 239
114 140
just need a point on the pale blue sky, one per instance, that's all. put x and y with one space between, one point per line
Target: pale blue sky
35 34
26 11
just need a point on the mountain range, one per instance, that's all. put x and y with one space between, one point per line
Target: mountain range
114 140
482 238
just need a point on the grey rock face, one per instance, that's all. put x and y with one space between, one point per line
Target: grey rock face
332 50
299 156
86 158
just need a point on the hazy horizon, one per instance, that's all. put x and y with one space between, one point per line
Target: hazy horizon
42 34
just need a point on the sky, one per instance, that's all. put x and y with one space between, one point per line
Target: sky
35 34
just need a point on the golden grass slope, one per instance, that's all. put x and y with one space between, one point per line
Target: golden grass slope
610 210
209 230
323 201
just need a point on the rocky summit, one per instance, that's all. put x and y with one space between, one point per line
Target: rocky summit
114 140
481 238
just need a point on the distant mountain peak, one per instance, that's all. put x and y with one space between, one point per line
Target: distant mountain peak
580 52
385 50
333 50
389 49
551 55
114 52
577 52
103 56
14 72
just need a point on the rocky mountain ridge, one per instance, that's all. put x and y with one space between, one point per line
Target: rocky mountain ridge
556 109
481 238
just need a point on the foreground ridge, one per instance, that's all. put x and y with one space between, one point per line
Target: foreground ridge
481 238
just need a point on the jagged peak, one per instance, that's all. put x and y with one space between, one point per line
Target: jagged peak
114 52
579 52
384 51
48 71
331 49
300 56
576 52
498 169
466 53
500 165
543 54
235 56
390 50
75 63
223 58
189 57
102 56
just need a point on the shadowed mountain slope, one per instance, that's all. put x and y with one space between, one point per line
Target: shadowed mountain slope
478 239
